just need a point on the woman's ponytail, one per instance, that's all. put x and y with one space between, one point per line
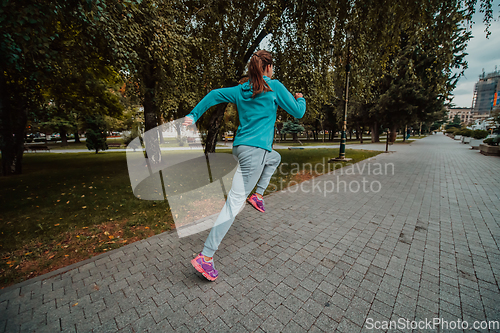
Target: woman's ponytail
258 63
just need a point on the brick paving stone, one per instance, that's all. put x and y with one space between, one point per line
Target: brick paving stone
251 321
425 245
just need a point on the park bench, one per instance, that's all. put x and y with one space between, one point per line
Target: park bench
35 148
194 143
114 145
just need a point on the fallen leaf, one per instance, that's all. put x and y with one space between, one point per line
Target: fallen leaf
84 207
75 304
55 225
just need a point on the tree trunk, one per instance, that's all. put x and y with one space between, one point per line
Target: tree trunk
12 132
374 132
77 137
160 128
393 135
150 117
213 130
64 137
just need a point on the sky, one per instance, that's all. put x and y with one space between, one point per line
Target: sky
482 53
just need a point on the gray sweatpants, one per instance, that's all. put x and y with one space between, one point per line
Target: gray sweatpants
256 166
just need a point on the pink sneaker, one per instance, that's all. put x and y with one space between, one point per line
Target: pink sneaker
205 267
256 203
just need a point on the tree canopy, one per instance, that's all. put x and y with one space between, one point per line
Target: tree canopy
170 53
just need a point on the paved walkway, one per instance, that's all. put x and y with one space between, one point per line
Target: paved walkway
425 246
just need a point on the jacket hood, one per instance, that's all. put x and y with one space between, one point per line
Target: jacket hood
248 90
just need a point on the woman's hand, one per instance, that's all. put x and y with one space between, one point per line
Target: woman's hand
187 121
298 95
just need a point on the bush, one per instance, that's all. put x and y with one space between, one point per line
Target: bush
134 133
479 134
452 130
450 126
96 133
492 141
464 132
181 141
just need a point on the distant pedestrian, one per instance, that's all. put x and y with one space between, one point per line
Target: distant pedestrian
257 101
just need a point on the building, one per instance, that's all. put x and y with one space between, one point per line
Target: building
465 114
486 95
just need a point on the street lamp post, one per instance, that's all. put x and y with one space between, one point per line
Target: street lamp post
343 137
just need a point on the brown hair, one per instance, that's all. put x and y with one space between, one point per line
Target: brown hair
258 63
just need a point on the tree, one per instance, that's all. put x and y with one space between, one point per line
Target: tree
96 133
229 32
30 60
416 79
148 39
294 128
454 123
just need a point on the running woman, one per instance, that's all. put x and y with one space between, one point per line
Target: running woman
257 101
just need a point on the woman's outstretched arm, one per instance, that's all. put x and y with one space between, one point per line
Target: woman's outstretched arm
217 96
296 106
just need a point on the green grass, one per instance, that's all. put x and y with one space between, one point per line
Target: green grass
336 142
66 208
53 145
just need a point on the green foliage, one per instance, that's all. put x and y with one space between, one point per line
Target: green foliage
96 133
448 126
171 53
464 132
292 127
479 134
131 135
456 120
181 141
492 141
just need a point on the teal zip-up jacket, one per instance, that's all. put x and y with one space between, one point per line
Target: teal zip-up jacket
257 115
